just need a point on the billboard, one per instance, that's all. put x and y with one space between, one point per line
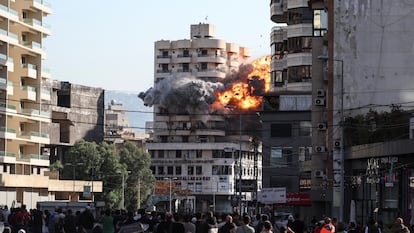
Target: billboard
272 195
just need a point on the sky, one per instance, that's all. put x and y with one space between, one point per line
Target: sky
110 44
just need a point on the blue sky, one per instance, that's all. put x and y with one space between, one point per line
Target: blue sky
110 44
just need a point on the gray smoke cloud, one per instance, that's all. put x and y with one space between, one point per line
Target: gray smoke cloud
182 95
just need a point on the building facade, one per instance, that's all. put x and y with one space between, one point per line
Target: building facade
286 108
196 157
361 66
27 109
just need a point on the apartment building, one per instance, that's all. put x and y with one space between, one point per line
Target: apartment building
286 108
196 157
26 116
361 65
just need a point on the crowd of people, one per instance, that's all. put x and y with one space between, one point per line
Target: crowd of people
20 220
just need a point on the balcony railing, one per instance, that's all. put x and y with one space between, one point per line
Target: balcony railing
29 66
9 34
34 134
7 154
8 130
9 10
41 157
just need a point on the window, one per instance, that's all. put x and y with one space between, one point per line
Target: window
160 154
165 54
320 22
204 53
186 67
299 73
160 170
299 44
305 154
198 187
178 154
281 157
170 170
190 186
305 128
186 53
280 130
178 170
184 138
300 15
199 170
190 171
199 154
203 66
164 67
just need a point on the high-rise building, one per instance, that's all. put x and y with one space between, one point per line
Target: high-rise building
26 118
195 155
286 108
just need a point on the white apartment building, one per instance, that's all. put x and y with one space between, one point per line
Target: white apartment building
196 160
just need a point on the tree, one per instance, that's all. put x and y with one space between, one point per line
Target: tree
138 162
112 181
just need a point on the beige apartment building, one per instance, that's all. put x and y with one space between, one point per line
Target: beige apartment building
25 108
196 160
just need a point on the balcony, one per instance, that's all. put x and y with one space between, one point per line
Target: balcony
9 37
9 13
10 89
28 93
7 108
46 73
209 58
42 5
29 70
40 160
38 25
34 46
7 133
3 83
33 136
163 59
14 180
7 157
10 64
36 114
211 73
45 95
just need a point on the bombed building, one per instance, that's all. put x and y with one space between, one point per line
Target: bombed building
204 146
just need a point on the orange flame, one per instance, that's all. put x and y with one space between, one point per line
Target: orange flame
240 94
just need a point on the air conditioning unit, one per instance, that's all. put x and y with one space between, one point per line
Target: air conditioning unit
320 93
320 149
320 101
321 126
319 173
337 143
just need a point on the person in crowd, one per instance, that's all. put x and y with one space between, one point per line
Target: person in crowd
189 226
229 226
267 227
399 227
298 225
259 226
352 228
372 227
245 228
69 222
327 226
164 225
87 220
107 222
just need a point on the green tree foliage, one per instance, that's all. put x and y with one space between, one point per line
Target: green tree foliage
112 187
377 127
141 179
90 161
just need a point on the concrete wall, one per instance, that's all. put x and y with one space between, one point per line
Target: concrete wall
374 39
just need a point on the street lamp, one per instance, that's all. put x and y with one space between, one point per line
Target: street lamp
338 159
240 156
123 186
170 196
74 173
